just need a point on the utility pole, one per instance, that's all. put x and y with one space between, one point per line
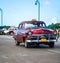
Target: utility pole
1 17
37 2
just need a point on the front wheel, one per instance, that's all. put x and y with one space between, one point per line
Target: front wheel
51 45
27 45
11 33
17 43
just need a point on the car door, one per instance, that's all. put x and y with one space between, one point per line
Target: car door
20 33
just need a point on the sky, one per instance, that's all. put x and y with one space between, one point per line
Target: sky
16 11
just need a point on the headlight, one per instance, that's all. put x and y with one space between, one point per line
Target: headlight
30 33
55 33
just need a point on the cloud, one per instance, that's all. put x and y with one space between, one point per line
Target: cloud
54 20
47 3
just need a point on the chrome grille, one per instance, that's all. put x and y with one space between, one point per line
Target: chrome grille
39 36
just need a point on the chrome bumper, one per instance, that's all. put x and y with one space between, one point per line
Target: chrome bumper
41 36
40 41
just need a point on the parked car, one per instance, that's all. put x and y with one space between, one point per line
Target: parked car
1 32
34 33
9 31
2 28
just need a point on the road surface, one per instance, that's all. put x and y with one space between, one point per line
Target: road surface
10 53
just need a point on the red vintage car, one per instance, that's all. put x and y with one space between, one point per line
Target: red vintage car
34 33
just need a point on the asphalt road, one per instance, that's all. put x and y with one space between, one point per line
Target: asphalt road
10 53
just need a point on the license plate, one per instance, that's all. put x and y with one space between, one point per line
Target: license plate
43 40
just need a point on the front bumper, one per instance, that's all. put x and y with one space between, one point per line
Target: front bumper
41 38
40 41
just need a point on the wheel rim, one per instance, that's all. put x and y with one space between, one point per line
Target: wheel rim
11 33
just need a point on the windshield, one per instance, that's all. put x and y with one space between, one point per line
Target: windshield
35 25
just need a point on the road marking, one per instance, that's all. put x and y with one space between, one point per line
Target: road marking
54 51
50 52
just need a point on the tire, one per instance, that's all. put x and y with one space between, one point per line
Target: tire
37 45
17 43
51 45
11 33
27 45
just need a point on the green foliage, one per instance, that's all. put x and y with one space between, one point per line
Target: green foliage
57 25
54 26
1 27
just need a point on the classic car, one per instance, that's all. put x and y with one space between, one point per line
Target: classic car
34 33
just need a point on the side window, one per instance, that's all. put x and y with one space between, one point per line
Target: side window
20 26
23 26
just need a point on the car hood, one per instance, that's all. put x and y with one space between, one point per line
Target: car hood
42 31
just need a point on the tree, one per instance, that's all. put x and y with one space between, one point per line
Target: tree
52 26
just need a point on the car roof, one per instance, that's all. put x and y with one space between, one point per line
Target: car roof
31 22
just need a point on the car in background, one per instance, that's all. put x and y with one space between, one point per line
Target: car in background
2 29
34 33
9 31
1 32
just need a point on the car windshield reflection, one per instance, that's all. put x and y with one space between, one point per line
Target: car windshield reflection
32 25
